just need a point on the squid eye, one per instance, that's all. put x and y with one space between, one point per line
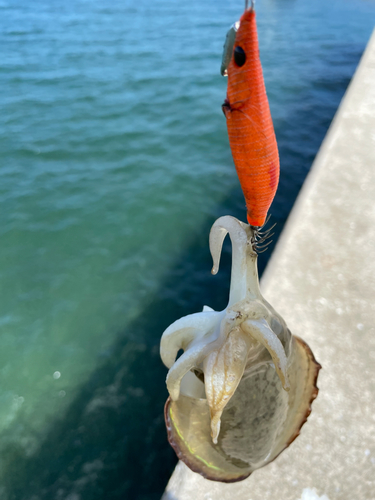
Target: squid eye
239 56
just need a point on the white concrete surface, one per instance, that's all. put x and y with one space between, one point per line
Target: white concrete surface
321 278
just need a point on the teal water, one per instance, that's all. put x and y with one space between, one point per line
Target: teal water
114 164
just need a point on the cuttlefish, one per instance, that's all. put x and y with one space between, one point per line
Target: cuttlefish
243 387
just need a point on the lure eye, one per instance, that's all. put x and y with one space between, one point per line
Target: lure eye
239 56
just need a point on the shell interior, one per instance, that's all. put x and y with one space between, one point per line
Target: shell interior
258 423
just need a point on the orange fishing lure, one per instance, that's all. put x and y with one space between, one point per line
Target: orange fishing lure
250 128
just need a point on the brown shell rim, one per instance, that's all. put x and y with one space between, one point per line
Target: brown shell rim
181 456
314 393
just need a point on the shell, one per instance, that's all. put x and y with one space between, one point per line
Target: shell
242 389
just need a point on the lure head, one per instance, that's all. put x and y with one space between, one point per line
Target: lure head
244 63
230 40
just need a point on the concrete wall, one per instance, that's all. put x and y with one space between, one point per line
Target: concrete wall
321 278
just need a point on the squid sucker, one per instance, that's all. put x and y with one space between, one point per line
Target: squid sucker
243 387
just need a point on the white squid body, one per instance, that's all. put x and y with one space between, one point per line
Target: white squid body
243 387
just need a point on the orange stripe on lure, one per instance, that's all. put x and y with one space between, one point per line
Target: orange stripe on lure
250 128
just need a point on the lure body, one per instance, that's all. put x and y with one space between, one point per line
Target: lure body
250 128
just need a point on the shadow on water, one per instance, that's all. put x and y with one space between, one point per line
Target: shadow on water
111 442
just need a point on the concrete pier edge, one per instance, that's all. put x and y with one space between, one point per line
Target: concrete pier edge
321 278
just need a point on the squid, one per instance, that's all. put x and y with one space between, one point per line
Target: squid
243 387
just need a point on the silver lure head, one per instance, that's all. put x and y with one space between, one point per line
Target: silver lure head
228 48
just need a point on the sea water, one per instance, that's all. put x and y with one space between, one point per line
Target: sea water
115 162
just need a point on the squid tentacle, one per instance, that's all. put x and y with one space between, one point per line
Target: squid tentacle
184 331
260 331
